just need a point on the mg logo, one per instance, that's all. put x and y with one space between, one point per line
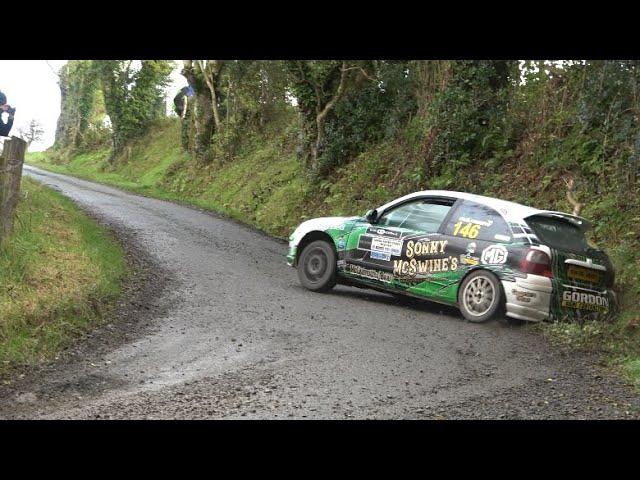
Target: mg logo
494 255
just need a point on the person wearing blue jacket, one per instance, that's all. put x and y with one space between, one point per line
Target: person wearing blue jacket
181 101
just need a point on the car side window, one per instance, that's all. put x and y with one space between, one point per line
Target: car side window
421 215
474 220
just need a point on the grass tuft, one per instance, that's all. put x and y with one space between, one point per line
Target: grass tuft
58 271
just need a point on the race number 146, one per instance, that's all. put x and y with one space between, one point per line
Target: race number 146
467 230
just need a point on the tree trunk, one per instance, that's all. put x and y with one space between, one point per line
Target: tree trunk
204 122
203 111
211 74
316 148
63 118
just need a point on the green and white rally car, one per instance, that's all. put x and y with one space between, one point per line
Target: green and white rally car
486 256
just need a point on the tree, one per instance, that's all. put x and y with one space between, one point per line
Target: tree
78 85
467 109
204 78
131 96
230 99
318 86
369 112
32 133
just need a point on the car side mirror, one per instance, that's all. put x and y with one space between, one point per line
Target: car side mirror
371 216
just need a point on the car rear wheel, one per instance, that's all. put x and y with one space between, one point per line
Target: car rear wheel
317 266
480 297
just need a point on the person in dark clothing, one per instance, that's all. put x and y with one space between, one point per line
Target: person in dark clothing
181 101
5 128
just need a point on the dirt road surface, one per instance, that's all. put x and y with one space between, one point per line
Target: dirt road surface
217 326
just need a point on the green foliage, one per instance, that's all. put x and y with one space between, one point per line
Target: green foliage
92 89
250 95
313 83
632 370
80 113
469 115
132 96
375 111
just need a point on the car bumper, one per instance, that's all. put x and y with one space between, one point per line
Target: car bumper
291 255
528 298
531 299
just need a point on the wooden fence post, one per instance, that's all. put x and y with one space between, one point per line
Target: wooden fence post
11 161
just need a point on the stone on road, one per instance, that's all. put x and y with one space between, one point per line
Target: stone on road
232 334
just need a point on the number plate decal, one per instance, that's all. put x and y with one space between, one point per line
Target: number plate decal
583 274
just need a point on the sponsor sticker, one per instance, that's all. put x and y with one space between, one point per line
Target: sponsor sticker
494 255
484 223
468 257
425 248
522 296
341 243
369 273
469 260
383 232
386 245
412 268
380 256
585 301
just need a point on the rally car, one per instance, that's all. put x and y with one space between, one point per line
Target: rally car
488 257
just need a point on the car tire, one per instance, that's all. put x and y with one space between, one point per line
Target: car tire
317 266
480 296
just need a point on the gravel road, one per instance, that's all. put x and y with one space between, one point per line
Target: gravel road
217 326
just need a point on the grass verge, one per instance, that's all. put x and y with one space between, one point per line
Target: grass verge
59 272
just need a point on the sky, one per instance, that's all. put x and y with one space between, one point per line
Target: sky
31 87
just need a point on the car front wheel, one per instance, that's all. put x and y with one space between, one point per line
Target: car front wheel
317 266
480 297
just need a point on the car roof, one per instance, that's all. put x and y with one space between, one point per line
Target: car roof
510 211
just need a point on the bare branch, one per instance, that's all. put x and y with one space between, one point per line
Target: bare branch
577 206
363 71
210 73
337 96
57 74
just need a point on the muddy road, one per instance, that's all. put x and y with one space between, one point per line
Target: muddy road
221 328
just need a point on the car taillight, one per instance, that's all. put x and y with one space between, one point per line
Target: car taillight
536 262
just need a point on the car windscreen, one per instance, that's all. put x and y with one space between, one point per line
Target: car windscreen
559 233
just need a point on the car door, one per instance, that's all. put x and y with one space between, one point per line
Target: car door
403 248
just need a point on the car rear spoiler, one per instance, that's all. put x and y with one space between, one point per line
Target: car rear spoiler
582 223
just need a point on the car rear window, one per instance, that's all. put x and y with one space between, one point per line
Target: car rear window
477 221
559 233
